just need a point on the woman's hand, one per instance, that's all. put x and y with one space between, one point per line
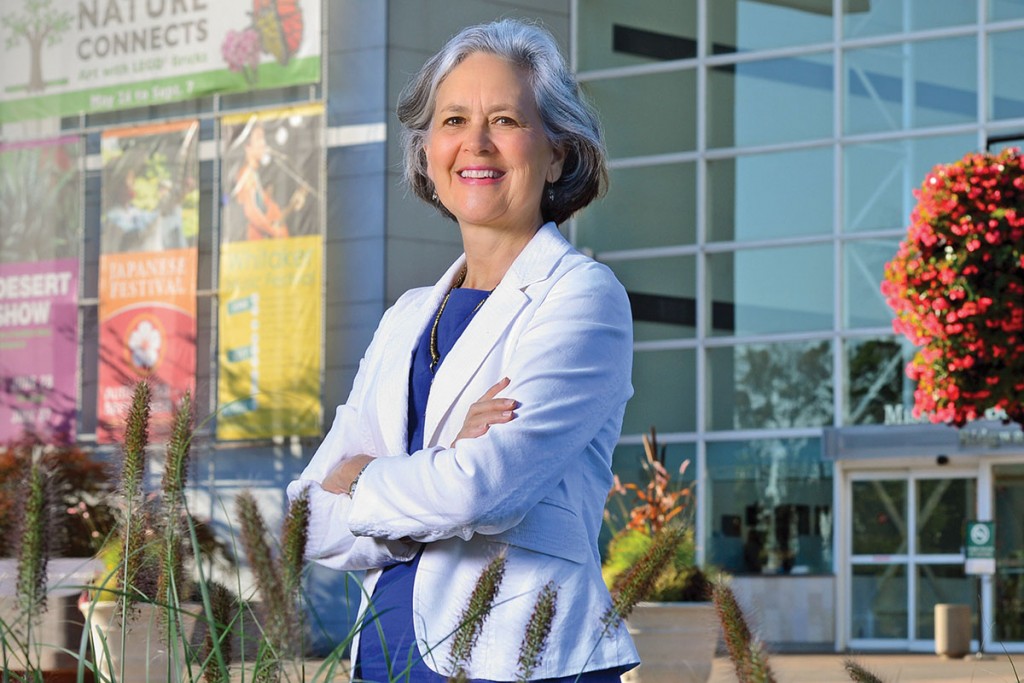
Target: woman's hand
487 411
340 479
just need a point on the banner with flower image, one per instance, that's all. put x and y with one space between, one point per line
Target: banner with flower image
40 234
148 269
66 58
271 257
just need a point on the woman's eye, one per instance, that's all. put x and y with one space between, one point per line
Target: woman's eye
452 121
505 121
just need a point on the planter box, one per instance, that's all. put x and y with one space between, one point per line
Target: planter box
142 653
676 642
61 628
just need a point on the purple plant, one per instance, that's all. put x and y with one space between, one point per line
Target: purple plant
241 51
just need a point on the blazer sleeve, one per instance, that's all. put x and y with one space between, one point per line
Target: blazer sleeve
329 541
570 371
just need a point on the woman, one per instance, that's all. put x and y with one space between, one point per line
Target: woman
484 413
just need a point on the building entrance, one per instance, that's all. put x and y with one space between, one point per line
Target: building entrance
905 545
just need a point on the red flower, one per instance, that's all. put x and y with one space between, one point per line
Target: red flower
956 287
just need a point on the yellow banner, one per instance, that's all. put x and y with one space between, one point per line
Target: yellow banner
270 322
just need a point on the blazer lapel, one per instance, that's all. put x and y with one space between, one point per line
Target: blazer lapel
393 395
490 325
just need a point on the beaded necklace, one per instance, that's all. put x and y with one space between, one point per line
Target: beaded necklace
435 355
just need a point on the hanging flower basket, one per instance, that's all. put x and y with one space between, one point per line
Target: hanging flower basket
956 285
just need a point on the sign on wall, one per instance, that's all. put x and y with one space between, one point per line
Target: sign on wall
271 311
63 58
980 548
148 267
40 232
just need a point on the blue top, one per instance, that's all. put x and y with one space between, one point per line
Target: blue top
392 596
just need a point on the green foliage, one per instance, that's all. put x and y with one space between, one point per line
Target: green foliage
638 582
747 654
679 579
537 631
471 622
34 550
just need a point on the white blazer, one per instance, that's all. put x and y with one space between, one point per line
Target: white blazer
559 327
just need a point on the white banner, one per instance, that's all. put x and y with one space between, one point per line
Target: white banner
62 58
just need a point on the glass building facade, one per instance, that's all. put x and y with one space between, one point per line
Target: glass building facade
764 154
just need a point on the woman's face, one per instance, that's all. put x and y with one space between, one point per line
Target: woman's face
486 150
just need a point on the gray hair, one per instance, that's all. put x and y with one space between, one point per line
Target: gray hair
569 122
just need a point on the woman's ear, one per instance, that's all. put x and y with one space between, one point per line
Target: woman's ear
557 162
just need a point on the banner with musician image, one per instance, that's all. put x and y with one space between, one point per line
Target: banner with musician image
270 314
148 270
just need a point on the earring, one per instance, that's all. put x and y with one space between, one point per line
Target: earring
434 196
551 193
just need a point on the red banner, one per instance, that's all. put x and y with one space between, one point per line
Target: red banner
148 266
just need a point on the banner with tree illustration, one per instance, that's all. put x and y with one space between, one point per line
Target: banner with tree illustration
270 275
65 58
148 268
40 233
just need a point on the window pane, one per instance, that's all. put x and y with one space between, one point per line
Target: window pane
745 204
863 268
652 114
879 178
666 396
750 296
878 598
771 386
998 10
614 33
943 583
770 507
744 25
770 101
879 517
662 294
911 85
942 507
864 18
649 206
877 389
1006 55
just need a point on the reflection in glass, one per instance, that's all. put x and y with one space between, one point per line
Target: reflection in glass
943 583
911 85
648 206
770 507
878 602
614 33
1009 579
750 293
662 296
770 101
744 205
878 178
863 18
650 114
1000 10
667 392
863 270
879 517
942 507
877 390
1007 76
744 25
771 386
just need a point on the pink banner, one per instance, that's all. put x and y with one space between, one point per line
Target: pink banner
38 349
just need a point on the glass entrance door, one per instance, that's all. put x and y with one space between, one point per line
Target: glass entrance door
1009 579
905 549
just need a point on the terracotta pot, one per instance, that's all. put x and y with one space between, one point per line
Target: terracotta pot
676 642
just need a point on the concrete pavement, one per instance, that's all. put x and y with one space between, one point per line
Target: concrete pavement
890 668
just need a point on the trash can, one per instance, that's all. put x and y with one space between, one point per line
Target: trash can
952 630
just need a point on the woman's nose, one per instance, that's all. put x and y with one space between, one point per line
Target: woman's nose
478 139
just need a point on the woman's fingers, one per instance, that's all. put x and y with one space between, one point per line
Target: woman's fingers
487 411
